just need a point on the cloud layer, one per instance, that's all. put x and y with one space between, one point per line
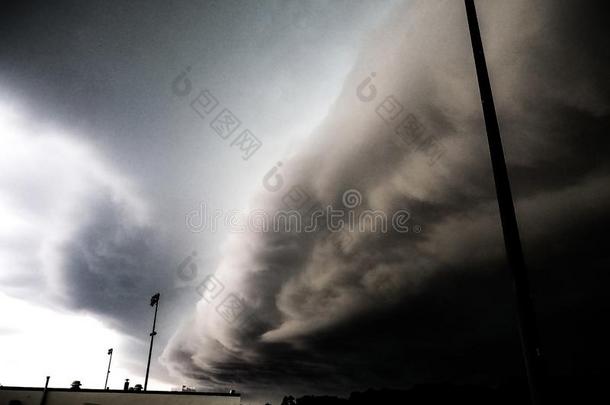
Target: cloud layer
76 234
336 312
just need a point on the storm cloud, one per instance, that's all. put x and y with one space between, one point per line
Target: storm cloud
391 309
360 106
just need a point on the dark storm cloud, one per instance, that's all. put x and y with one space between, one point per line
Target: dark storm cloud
110 261
76 234
398 308
102 72
332 314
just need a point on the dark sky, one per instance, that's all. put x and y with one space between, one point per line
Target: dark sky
97 217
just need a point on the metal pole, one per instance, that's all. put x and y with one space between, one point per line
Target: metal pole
530 340
152 338
43 399
108 372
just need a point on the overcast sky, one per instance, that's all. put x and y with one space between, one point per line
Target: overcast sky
110 160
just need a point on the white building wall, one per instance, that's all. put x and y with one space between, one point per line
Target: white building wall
33 397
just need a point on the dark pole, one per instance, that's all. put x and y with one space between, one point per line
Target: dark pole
108 372
530 340
43 400
153 301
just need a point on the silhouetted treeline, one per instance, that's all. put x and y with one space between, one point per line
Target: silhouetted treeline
558 392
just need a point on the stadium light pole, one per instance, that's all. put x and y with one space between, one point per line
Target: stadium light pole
108 372
530 340
154 301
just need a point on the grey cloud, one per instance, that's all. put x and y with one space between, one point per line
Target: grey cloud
396 308
332 315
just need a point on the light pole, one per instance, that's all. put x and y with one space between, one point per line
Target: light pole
154 301
108 372
530 340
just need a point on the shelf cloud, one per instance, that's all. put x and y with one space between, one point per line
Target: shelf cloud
355 309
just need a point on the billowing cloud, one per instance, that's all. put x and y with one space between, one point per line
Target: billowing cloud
50 185
336 311
322 311
76 234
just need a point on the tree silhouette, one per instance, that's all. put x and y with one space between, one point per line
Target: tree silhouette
289 400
